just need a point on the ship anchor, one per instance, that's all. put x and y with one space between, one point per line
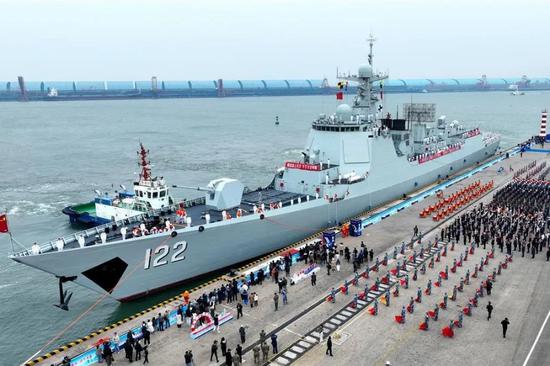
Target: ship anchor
64 296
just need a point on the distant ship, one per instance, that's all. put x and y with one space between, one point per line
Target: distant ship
149 193
355 159
53 95
515 90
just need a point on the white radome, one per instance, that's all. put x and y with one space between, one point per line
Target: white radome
364 71
344 112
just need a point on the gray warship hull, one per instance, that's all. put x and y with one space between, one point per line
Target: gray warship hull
124 269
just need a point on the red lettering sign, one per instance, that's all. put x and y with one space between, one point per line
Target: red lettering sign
302 166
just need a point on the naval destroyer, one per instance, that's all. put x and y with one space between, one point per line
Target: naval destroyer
355 159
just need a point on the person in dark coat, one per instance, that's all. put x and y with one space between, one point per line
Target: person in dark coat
489 310
274 343
223 346
107 354
128 350
329 346
214 351
242 333
313 279
228 358
239 351
505 323
138 348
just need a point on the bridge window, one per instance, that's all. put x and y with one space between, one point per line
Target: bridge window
155 194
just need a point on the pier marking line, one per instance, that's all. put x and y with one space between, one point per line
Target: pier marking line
536 339
293 332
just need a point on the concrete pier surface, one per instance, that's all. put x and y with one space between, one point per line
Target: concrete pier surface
519 293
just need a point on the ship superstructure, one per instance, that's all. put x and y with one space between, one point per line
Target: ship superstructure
354 160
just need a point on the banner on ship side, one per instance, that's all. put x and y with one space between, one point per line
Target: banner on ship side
302 166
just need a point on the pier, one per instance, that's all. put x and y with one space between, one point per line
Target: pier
303 325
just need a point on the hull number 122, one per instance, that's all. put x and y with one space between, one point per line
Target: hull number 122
161 255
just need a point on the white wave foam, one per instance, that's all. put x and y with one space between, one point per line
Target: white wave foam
25 207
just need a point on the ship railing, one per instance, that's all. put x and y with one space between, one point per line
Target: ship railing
138 219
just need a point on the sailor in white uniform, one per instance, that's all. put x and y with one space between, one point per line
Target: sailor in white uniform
35 249
103 237
81 241
123 232
59 244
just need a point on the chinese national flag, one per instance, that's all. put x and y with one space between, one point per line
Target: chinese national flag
340 96
3 223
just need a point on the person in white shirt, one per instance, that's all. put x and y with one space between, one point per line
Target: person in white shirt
59 244
103 237
150 327
81 241
35 249
116 341
123 232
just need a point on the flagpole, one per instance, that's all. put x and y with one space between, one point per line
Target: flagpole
11 242
12 239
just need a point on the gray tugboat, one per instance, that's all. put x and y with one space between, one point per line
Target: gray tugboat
355 159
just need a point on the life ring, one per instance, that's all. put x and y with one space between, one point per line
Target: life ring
239 212
135 231
154 230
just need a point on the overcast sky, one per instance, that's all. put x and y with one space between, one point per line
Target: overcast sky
270 39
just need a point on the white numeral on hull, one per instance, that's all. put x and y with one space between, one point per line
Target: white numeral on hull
162 251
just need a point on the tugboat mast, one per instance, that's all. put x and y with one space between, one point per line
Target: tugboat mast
144 163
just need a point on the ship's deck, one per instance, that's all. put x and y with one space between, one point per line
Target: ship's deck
195 209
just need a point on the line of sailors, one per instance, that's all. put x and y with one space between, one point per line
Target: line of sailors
434 154
142 230
168 227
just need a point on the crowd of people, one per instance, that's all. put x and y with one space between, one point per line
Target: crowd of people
516 220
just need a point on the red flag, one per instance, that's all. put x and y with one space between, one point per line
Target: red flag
340 96
4 223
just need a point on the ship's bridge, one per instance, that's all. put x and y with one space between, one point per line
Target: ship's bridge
336 153
344 120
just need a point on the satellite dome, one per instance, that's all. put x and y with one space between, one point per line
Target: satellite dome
344 112
365 71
